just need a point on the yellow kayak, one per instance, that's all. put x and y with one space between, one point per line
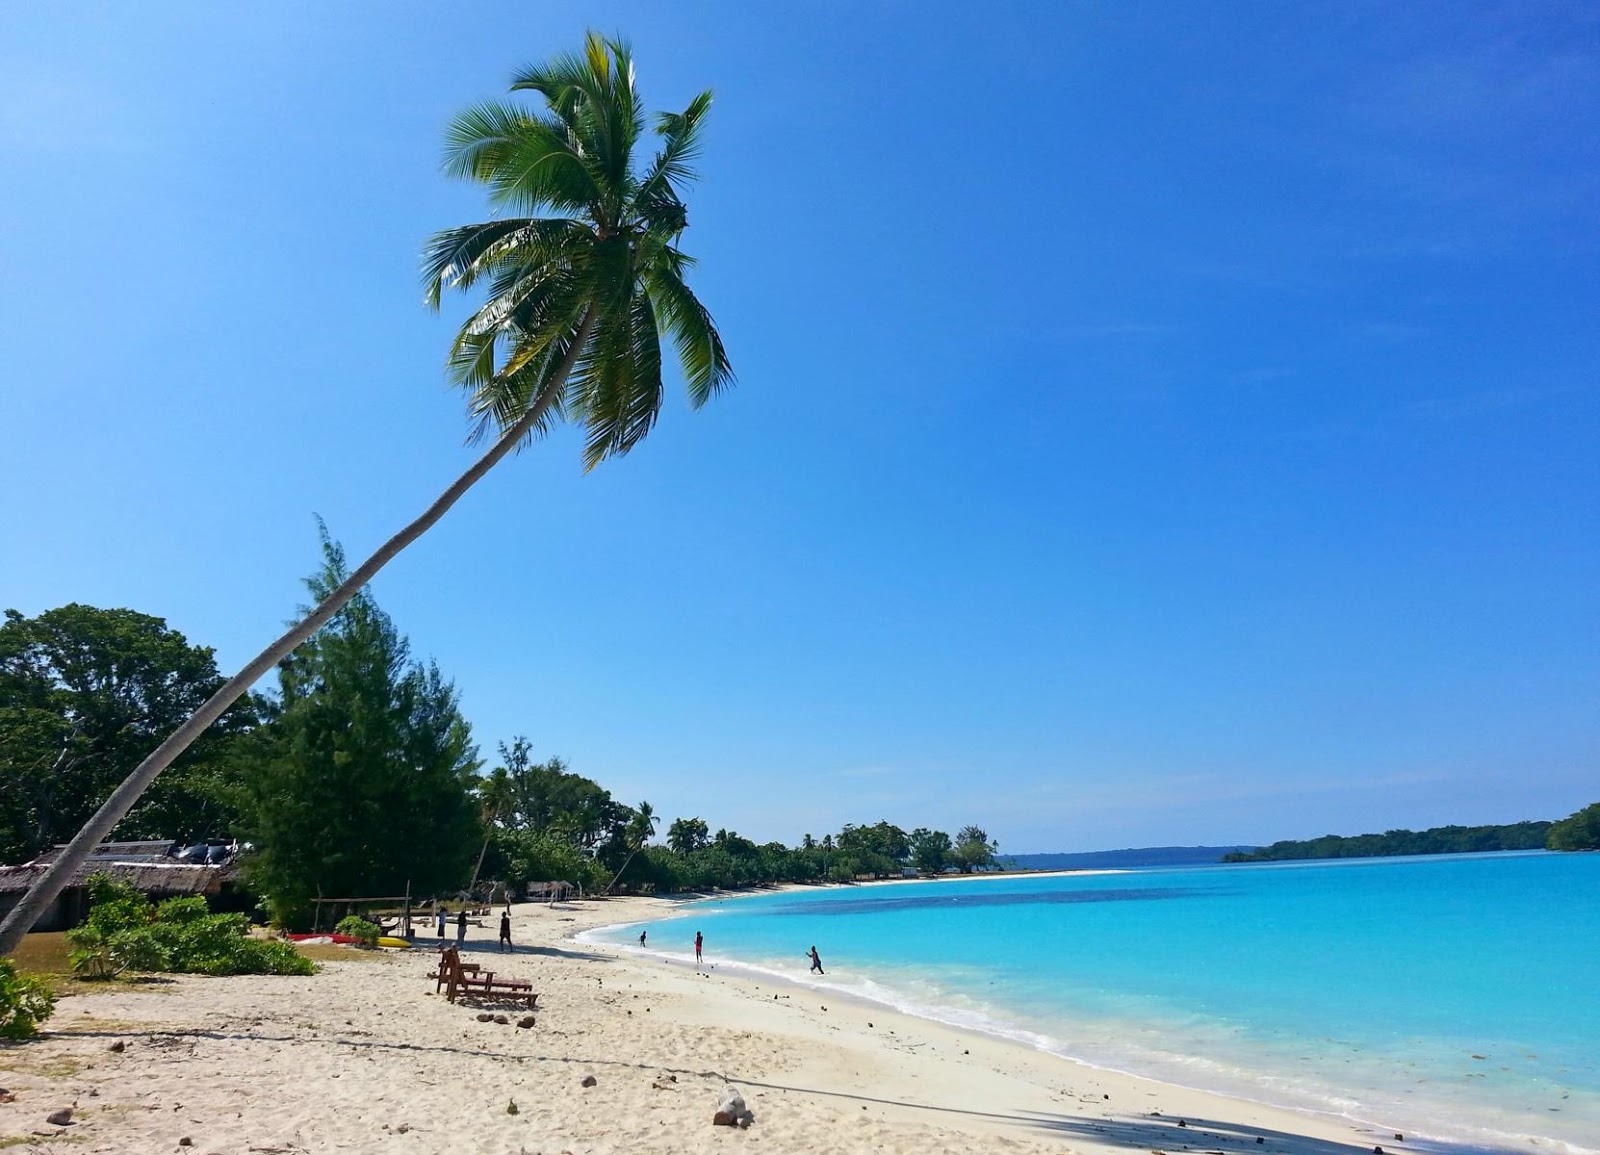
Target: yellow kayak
398 943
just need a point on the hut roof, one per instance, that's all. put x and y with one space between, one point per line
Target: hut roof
145 851
150 877
148 866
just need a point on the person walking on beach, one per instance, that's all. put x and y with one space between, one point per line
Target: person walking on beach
698 943
442 915
816 962
505 931
642 933
461 927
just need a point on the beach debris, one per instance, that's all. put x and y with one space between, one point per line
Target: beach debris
6 1096
1377 1151
525 1022
511 1108
59 1118
1259 1139
1181 1123
1399 1138
731 1110
590 1081
186 1142
502 1020
119 1046
485 1017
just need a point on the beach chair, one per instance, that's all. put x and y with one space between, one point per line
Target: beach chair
470 981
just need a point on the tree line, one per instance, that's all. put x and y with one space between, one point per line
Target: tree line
1438 840
359 777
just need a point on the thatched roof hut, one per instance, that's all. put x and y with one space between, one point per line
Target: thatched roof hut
151 867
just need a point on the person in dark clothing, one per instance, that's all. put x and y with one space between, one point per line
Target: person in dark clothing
461 927
816 962
698 943
505 931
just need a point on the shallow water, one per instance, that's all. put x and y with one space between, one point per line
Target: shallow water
1456 997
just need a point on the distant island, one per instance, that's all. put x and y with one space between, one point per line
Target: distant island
1123 859
1439 840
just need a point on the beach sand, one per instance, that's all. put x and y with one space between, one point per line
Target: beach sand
364 1057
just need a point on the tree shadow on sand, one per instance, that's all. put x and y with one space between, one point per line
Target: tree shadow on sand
1172 1135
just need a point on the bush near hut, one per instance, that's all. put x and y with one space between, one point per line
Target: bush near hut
125 931
358 928
25 1002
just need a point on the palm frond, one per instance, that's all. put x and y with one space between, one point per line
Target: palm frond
594 95
673 165
706 368
456 258
617 387
581 284
526 159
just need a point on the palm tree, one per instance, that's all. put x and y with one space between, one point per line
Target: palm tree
577 301
640 829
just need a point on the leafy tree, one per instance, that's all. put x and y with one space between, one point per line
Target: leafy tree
686 835
639 829
930 850
879 849
126 931
25 1002
973 849
578 300
85 694
363 778
1578 831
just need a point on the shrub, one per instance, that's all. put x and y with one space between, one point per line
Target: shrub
25 1002
125 931
359 929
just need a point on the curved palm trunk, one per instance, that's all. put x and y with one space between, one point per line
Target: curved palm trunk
627 862
42 893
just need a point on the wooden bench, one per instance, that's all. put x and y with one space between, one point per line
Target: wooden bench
461 980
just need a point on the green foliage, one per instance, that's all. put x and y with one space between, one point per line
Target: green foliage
1578 831
85 695
973 850
363 772
125 931
878 850
25 1002
930 850
592 286
360 929
1438 840
686 835
547 823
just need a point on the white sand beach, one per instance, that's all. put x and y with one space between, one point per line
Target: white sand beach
364 1057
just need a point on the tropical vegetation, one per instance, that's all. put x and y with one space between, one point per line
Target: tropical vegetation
1438 840
1577 831
25 1002
126 931
361 781
85 694
583 272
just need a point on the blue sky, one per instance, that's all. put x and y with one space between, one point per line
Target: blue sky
1155 423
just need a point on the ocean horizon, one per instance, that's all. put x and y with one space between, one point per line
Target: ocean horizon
1453 998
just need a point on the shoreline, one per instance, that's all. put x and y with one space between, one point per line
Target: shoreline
1488 1139
364 1057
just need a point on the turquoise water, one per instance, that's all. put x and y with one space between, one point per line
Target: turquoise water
1452 997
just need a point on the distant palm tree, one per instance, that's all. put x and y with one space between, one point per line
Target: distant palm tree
640 829
577 302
